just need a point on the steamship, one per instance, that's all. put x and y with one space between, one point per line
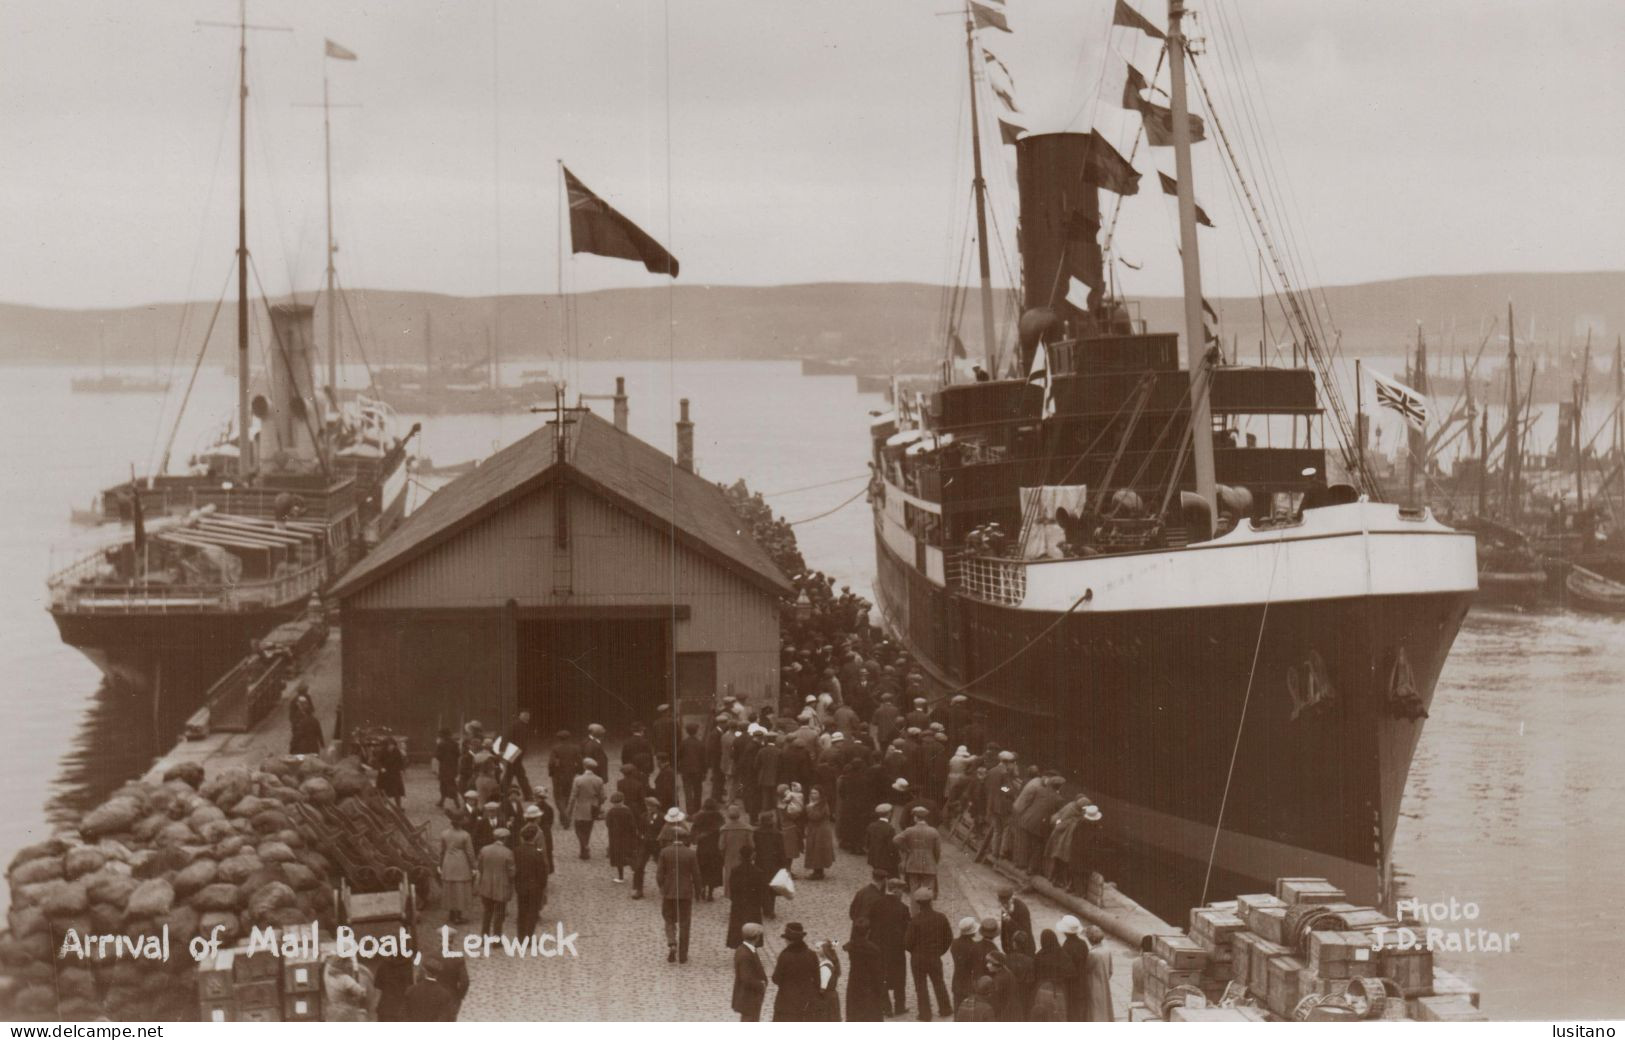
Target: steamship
1144 574
261 522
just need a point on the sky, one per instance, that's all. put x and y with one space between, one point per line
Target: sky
773 142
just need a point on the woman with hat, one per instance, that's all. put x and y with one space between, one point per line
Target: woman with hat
791 812
456 868
820 836
796 974
1083 853
1076 948
1054 974
736 836
1058 846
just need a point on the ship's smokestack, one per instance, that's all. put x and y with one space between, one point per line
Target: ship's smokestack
288 438
685 438
620 403
1060 218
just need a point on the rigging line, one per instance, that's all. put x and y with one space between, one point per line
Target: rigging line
819 516
293 377
186 396
1088 594
360 344
811 487
228 95
1275 133
1252 673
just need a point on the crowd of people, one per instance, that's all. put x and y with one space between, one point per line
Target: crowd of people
855 757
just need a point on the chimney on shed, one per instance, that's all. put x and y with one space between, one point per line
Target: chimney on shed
620 403
685 438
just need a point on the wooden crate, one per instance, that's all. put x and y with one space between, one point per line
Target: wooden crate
1258 973
260 993
1241 956
256 966
1269 922
1283 984
1449 984
301 976
273 1013
1247 904
302 1007
1447 1009
214 978
217 1011
1282 883
1309 890
1181 953
1213 927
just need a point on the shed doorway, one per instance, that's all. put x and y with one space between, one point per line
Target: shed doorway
610 671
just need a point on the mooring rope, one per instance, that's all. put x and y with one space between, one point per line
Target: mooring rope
1241 723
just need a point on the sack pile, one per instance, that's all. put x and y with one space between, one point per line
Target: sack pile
186 854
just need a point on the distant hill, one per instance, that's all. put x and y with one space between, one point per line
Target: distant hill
873 320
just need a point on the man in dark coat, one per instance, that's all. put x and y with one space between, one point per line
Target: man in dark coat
746 748
750 978
691 767
650 820
884 720
1013 917
563 763
796 976
664 784
866 999
447 752
639 752
880 841
927 939
530 870
713 755
769 845
888 927
767 772
429 999
593 747
677 875
963 953
865 899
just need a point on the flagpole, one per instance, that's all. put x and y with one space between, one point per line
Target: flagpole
1359 414
244 447
1196 344
989 346
332 300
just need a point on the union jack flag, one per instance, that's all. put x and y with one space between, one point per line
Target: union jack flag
1391 393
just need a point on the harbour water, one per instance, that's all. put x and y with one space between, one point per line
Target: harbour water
1512 806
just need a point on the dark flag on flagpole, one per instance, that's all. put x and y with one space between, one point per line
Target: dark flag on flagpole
1129 18
987 17
1171 187
1133 85
1159 125
597 227
333 50
958 345
1105 168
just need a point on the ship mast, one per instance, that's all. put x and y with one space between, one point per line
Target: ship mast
1195 338
989 346
243 444
1514 450
332 275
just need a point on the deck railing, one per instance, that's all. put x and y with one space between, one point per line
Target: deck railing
74 591
986 578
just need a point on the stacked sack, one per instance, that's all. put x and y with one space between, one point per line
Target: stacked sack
184 854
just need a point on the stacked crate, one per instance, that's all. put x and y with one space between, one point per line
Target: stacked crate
1250 947
238 986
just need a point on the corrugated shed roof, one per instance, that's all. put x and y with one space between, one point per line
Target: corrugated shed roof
635 475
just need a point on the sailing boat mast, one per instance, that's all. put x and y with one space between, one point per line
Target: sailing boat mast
244 447
1195 338
332 274
989 346
1514 449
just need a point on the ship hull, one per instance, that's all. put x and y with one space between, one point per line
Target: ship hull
169 658
1294 723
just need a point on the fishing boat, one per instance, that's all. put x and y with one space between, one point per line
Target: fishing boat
261 521
1590 591
1228 649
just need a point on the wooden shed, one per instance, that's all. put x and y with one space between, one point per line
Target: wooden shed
578 573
